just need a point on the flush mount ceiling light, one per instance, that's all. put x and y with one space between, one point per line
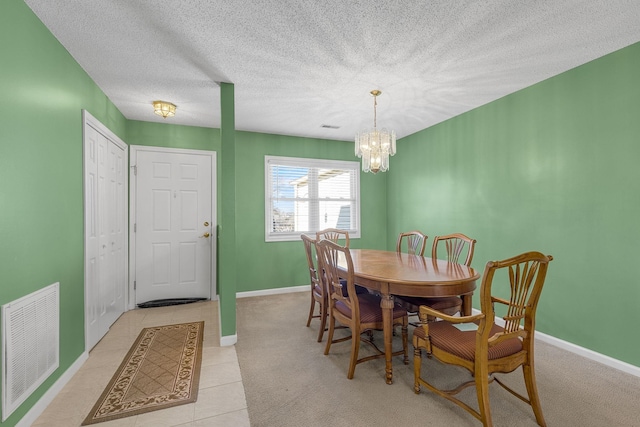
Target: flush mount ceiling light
164 109
375 146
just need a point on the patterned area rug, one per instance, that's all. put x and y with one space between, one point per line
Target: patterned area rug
161 370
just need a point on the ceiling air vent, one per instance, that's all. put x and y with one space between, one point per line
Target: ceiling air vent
330 127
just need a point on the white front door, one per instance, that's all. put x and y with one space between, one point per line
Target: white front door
105 188
174 223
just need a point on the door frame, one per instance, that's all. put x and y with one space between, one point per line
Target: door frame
133 159
90 120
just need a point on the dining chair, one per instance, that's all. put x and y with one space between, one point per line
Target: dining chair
318 290
491 348
359 312
455 247
414 241
335 235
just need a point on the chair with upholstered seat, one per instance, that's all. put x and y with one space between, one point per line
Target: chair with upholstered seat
511 290
414 242
454 247
359 312
318 291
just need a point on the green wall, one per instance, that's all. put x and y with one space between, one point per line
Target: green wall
172 136
277 264
41 210
550 168
227 223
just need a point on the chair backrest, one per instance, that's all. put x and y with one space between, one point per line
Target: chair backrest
454 245
415 242
329 255
335 235
521 279
309 248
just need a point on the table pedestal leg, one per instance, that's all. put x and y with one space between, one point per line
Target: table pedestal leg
387 319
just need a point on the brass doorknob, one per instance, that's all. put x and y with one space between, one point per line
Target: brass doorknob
205 235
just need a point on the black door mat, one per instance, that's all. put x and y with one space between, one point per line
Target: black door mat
168 302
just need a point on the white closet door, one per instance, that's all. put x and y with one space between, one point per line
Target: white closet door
105 181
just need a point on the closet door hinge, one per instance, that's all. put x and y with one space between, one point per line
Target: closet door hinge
134 285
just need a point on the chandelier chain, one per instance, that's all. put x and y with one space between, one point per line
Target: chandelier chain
375 117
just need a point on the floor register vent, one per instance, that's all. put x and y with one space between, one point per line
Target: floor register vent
30 345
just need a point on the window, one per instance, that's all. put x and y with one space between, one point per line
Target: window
307 195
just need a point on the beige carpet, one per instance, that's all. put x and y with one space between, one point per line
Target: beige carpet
289 382
161 370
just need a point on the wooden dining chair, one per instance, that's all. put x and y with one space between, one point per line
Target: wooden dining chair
358 312
491 348
318 290
414 242
335 235
339 236
455 247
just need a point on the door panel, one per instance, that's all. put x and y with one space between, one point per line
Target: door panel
173 201
105 181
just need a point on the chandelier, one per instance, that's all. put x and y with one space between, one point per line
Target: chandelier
375 146
164 109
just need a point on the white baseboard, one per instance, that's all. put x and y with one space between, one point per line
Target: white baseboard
275 291
46 399
590 354
581 351
228 340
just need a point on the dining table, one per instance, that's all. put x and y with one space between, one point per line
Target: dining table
390 273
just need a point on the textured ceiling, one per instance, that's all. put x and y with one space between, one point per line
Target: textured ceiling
299 65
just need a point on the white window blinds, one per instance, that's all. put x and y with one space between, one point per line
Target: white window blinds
307 195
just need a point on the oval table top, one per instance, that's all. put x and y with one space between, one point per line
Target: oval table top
411 275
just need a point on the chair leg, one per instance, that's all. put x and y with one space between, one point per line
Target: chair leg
355 348
482 391
323 321
532 390
417 365
332 324
405 345
313 306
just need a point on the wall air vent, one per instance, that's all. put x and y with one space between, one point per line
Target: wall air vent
30 345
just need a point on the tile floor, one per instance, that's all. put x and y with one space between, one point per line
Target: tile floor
221 400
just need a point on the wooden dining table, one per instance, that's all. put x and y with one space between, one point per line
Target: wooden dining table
392 273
